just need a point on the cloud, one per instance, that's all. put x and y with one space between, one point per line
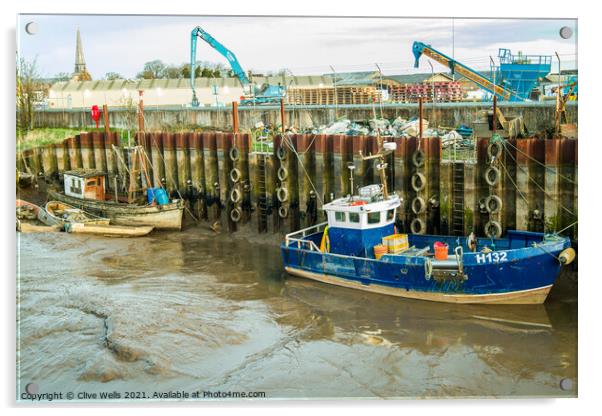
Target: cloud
305 45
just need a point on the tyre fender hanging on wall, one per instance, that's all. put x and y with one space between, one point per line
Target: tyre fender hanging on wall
282 212
493 203
492 176
281 153
235 215
282 173
418 158
418 205
235 195
418 182
494 149
235 175
282 194
417 226
234 154
493 229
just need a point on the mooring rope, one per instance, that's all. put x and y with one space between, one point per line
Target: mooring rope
513 183
290 145
566 228
538 185
541 164
175 184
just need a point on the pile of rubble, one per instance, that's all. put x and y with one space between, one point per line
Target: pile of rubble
397 128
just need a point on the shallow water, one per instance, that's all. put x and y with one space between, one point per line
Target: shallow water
196 311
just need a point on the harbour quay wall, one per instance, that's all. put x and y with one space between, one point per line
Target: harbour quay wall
525 184
538 116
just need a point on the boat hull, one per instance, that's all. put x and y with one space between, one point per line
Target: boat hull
43 216
519 271
53 207
523 297
161 217
110 230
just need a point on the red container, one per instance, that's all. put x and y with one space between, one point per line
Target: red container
441 250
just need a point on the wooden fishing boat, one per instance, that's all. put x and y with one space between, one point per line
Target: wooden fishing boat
28 211
64 213
85 189
109 230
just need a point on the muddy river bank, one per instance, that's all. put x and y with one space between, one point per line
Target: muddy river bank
199 311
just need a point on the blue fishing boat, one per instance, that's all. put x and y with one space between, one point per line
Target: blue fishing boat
358 248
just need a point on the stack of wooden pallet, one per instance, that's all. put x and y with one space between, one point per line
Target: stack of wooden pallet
326 96
440 91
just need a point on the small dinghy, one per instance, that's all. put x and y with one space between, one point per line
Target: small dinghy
109 230
62 214
26 211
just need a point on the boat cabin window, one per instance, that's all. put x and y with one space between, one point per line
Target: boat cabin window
390 214
75 186
373 217
354 217
339 216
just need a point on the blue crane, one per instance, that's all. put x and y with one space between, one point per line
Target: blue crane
267 94
419 49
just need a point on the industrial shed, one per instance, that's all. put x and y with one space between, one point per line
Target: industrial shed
164 92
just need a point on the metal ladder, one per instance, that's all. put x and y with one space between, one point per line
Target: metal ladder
262 197
457 225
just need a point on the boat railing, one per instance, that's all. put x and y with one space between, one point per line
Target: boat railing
298 237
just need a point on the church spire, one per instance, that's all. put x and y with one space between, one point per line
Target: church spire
80 73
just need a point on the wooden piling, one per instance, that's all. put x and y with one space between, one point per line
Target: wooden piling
183 162
306 169
292 182
433 172
522 183
169 157
156 156
552 214
509 193
324 169
62 156
49 163
212 178
197 176
480 187
343 148
226 175
98 149
446 199
401 183
567 186
87 152
75 157
537 195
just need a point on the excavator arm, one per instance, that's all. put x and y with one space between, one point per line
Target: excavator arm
198 32
483 82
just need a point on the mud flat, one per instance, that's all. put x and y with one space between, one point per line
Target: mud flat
199 311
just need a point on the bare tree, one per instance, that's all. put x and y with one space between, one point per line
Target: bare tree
28 86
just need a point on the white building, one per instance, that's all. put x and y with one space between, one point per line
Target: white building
164 92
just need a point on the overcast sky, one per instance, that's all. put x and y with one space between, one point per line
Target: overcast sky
123 44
